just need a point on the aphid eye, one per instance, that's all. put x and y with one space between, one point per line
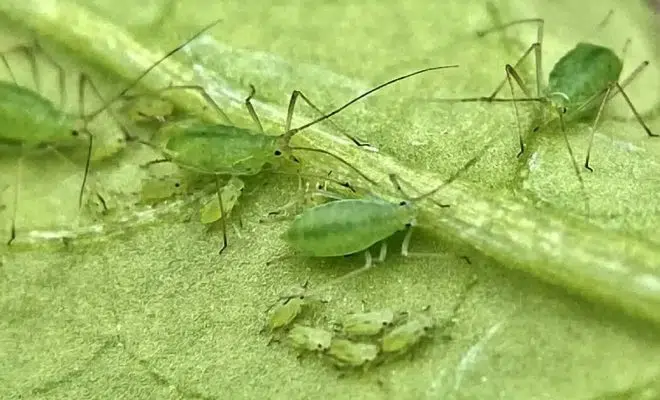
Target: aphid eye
319 346
74 133
403 203
385 323
177 184
278 153
563 110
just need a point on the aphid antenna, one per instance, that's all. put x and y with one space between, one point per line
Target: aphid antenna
394 178
351 166
152 66
306 175
294 131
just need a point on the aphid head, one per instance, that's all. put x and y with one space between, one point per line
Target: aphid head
559 101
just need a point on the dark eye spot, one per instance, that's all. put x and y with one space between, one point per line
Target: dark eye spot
74 133
403 203
278 153
177 184
385 323
319 346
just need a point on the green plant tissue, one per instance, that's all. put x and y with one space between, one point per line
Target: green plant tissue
138 303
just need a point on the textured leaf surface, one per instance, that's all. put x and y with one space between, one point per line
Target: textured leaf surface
154 312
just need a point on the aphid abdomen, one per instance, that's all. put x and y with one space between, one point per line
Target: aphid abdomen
368 323
346 353
405 336
583 72
220 149
343 227
30 119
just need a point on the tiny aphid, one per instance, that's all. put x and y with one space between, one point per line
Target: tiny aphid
230 192
579 85
345 353
30 121
350 226
369 323
147 108
155 190
308 338
285 313
402 338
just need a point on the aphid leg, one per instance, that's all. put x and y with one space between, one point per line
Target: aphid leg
81 104
614 88
535 46
509 72
383 253
3 57
605 21
250 108
223 214
281 214
205 96
17 189
154 65
289 133
28 51
624 50
157 161
61 75
394 178
368 264
292 101
560 114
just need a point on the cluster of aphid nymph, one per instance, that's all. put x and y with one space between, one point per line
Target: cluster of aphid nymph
356 340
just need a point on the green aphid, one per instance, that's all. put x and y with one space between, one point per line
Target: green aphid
348 226
210 211
31 121
347 353
404 337
579 86
309 338
369 323
146 108
285 313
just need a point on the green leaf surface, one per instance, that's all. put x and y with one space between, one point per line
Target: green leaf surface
140 305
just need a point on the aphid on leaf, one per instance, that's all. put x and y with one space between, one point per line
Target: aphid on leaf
309 338
345 353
